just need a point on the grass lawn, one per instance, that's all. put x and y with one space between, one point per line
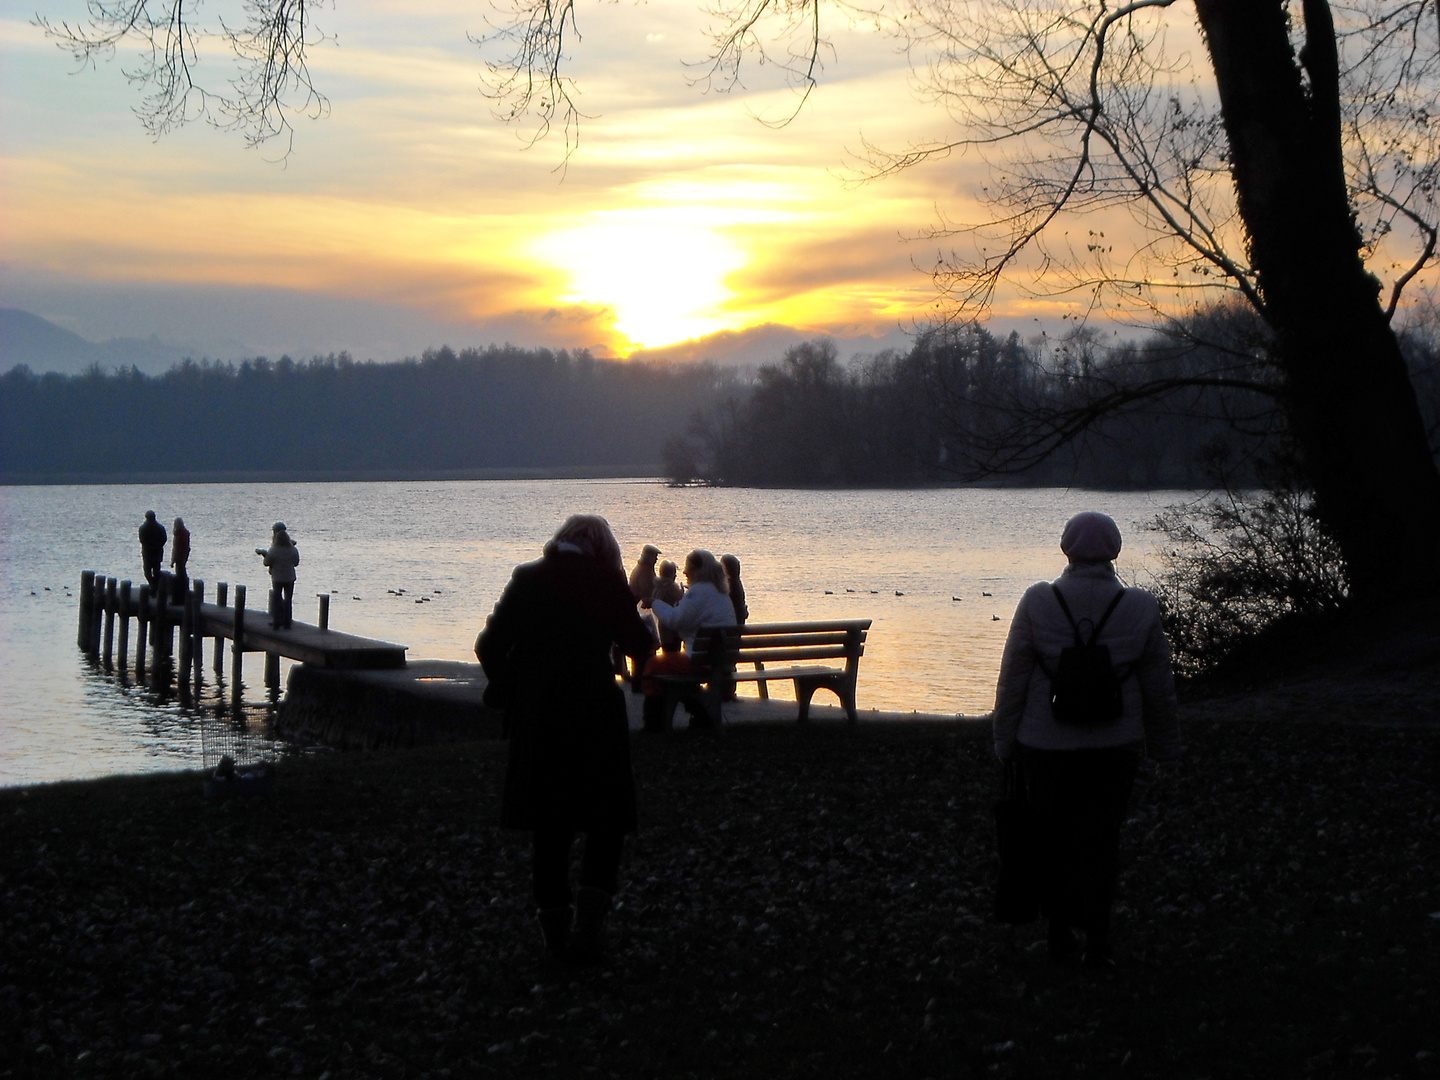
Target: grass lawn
797 902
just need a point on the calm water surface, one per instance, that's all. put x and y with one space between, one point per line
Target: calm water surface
897 557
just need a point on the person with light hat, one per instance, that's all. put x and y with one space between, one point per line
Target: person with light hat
282 558
1078 764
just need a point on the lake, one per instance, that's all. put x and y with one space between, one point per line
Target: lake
900 558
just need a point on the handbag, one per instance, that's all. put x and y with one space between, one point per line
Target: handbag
1017 892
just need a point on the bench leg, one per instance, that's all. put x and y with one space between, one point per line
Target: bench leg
804 691
763 684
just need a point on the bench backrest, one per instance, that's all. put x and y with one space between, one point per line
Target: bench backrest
795 642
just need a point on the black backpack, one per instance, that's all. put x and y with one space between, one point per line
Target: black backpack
1085 687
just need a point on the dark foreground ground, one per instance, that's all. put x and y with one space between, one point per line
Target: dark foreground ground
807 903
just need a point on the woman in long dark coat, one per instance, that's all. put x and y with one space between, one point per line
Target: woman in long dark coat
546 654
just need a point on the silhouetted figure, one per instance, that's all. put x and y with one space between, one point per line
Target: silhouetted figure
735 587
546 653
180 556
152 546
706 604
1078 773
642 577
282 558
668 590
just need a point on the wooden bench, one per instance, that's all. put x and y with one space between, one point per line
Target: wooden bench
802 647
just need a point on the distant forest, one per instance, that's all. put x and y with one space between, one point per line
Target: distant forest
495 408
1180 409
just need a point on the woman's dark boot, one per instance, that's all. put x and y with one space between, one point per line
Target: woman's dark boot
555 928
587 938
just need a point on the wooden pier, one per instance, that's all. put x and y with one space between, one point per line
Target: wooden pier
168 613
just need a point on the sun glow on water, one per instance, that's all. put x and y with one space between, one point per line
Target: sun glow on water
660 272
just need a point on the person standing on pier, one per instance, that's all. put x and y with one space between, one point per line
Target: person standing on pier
180 555
152 547
282 558
546 653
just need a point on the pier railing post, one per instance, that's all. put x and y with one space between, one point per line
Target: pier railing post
324 611
237 646
124 646
142 625
87 600
111 588
272 672
222 597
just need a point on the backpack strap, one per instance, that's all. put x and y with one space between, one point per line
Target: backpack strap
1075 628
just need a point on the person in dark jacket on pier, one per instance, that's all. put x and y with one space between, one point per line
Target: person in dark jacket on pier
180 555
152 546
546 650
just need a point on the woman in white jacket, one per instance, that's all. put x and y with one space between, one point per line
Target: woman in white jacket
1078 775
282 557
706 603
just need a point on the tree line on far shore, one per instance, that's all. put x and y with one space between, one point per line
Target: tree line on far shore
494 408
1196 403
1188 407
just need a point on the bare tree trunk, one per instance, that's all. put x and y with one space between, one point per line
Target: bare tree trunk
1350 404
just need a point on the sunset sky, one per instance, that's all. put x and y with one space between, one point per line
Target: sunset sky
409 215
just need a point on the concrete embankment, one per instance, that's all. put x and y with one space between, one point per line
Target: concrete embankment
439 701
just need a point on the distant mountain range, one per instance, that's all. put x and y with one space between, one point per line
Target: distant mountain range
43 347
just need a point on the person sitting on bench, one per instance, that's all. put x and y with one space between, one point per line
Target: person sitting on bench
706 603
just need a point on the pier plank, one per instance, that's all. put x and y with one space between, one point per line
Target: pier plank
303 642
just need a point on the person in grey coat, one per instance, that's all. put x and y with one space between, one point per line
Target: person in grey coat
1078 777
546 651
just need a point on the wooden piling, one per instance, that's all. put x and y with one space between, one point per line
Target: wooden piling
197 644
272 672
124 646
237 645
142 625
222 597
97 616
324 611
87 600
187 639
111 588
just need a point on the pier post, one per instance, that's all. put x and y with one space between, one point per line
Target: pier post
124 647
197 644
142 624
187 639
237 646
167 624
222 597
160 594
97 615
324 611
272 660
87 599
111 586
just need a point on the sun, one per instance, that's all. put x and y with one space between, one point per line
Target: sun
662 273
